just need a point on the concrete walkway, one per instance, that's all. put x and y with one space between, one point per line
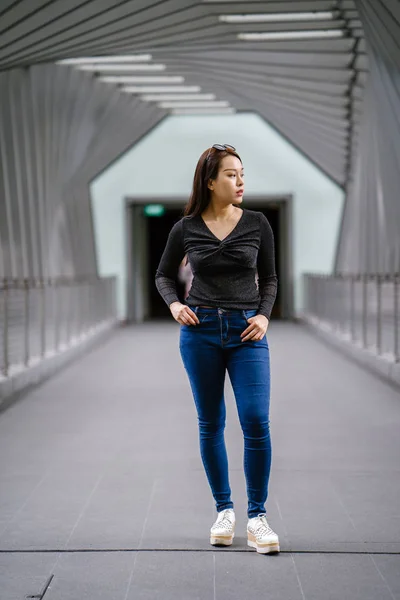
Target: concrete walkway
103 495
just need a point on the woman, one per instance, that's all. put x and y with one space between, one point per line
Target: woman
223 327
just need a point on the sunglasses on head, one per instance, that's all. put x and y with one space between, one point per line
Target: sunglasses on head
220 147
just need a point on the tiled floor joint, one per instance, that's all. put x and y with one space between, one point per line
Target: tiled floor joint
191 550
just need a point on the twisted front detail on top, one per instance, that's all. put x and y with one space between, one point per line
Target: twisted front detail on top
224 270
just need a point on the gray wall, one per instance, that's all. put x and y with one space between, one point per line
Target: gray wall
370 237
58 129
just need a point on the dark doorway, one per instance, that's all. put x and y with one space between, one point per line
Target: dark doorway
273 214
158 230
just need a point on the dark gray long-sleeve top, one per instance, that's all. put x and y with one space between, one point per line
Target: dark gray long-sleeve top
224 272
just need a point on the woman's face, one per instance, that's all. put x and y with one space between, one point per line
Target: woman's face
228 187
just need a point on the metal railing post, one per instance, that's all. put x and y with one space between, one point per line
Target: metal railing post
352 308
68 311
306 295
396 318
26 321
5 328
364 310
312 284
56 313
378 314
42 304
79 319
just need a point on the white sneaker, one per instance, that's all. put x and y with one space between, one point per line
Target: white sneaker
223 530
260 535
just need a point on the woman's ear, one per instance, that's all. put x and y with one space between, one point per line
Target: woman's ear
210 184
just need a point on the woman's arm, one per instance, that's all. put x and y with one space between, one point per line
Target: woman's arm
267 279
167 271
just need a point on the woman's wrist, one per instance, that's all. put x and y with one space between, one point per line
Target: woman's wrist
262 315
174 304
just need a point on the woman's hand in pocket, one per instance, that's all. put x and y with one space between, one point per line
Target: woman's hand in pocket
256 330
183 314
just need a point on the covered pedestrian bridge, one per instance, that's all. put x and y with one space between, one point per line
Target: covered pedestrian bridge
105 108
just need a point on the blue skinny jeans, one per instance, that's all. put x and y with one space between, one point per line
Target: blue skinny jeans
208 350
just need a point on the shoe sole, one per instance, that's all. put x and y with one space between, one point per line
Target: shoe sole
221 540
271 548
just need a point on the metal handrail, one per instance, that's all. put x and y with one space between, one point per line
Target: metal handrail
363 308
42 316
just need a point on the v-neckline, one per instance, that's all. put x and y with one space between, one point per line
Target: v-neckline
230 233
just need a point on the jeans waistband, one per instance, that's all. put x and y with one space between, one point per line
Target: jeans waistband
217 310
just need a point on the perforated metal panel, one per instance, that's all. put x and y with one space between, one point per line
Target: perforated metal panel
58 129
370 236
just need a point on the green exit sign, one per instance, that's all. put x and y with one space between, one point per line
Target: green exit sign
154 210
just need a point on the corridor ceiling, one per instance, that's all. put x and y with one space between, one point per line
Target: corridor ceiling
310 90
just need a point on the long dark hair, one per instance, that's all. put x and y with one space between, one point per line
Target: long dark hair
206 169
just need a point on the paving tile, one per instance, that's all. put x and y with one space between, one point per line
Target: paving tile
306 494
47 519
173 576
91 576
340 577
389 569
22 574
114 516
181 513
15 489
363 493
252 575
379 528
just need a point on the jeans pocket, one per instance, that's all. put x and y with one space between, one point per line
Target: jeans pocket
202 317
194 309
249 313
202 314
